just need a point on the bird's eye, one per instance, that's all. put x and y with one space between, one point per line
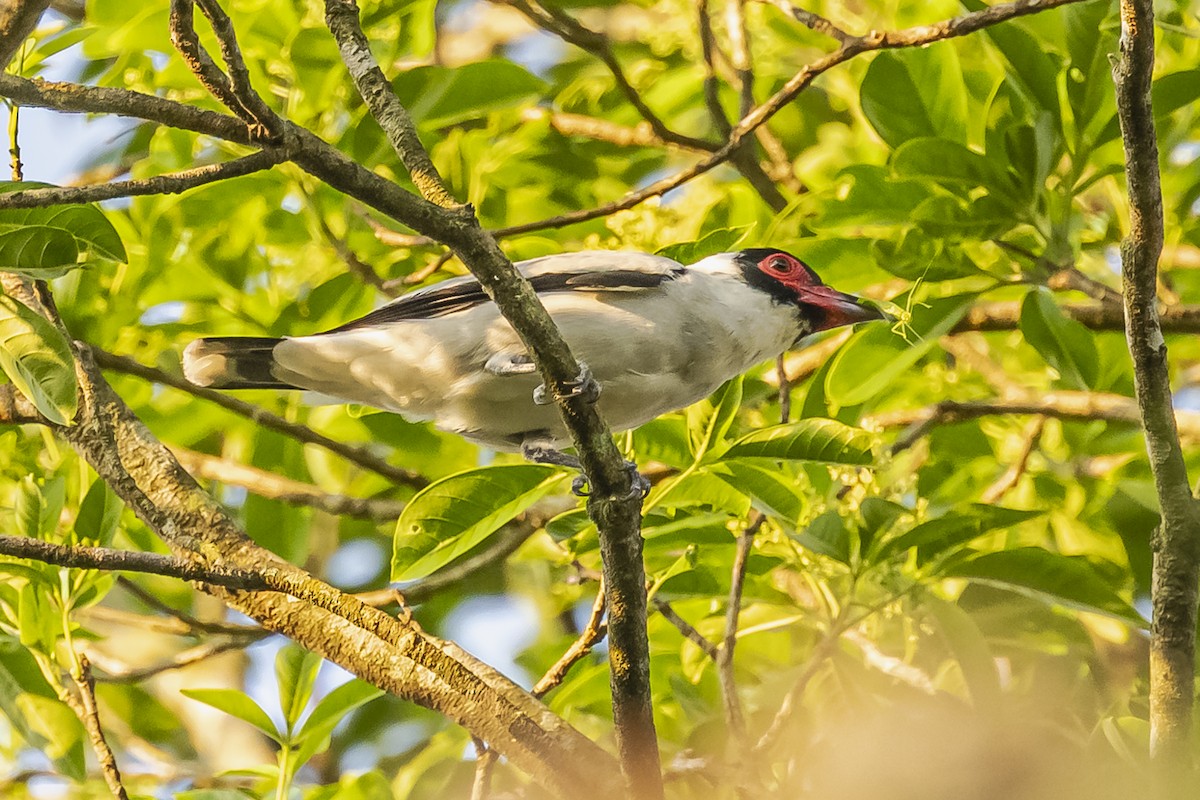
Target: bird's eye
780 264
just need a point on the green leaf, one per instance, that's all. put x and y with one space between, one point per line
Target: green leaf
1064 343
237 704
827 535
453 515
36 357
947 162
709 420
719 241
700 489
823 440
44 243
917 93
440 96
335 705
868 195
57 723
970 649
944 533
876 356
99 514
771 491
1070 581
314 736
917 256
296 672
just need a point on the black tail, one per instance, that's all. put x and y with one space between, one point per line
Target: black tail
233 362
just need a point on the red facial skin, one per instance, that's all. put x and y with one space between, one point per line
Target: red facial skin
834 308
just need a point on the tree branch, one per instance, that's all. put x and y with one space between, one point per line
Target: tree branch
1176 571
591 635
15 408
285 490
854 46
173 183
110 560
89 715
812 21
18 20
613 504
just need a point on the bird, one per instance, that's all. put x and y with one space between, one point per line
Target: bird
652 334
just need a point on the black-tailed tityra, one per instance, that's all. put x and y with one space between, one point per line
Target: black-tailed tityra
656 336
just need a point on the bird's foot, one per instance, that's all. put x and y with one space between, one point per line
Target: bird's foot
544 454
639 488
584 385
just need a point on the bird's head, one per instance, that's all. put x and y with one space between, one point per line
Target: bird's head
790 281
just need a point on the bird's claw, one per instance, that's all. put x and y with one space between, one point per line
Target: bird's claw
584 385
639 489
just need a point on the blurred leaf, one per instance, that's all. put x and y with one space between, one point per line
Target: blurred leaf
1064 343
944 533
296 673
99 514
876 356
237 704
709 420
970 648
57 723
314 737
1066 580
437 96
37 359
916 93
827 535
822 440
770 490
944 161
451 516
721 240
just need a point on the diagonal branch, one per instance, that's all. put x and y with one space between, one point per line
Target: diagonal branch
613 505
570 30
877 40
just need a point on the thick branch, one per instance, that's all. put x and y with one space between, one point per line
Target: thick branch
18 19
393 654
1176 571
1006 316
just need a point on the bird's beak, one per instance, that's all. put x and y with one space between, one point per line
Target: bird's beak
839 308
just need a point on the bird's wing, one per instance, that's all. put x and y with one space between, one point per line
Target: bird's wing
588 271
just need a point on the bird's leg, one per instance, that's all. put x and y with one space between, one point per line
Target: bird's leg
584 385
504 364
539 452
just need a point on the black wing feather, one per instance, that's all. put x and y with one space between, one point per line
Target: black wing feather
459 295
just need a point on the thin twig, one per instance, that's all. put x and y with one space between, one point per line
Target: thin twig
89 715
591 635
172 183
262 417
785 389
686 628
739 53
239 76
485 766
285 490
567 28
733 609
812 21
182 659
994 493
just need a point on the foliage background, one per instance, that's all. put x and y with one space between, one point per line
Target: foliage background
975 598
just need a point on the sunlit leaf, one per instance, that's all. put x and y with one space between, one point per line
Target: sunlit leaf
37 359
237 704
449 517
823 440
